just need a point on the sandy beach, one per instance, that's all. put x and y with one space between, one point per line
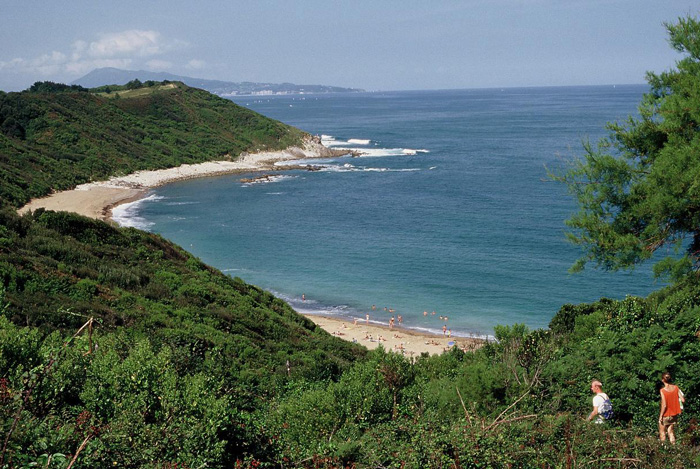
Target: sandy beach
399 339
97 199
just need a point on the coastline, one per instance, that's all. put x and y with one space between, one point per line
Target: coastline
98 199
399 339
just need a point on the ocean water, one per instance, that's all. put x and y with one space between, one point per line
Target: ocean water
449 210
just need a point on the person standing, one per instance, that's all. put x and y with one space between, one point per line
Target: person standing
602 408
671 398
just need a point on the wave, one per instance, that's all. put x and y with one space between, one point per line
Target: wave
126 215
306 162
265 179
350 168
182 203
331 141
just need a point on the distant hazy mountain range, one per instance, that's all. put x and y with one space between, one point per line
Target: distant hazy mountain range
115 76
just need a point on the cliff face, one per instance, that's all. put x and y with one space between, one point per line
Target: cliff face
56 140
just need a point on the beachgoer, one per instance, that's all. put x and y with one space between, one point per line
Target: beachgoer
600 401
444 330
391 323
303 297
400 319
671 398
367 318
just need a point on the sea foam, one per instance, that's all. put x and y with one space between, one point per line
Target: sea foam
127 215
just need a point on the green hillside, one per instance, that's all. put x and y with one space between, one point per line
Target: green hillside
53 137
120 349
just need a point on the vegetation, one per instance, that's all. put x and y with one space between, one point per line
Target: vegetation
120 349
177 361
54 137
182 366
638 190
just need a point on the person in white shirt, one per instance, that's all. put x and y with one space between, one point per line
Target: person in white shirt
598 400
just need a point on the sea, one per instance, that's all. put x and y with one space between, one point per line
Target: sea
447 217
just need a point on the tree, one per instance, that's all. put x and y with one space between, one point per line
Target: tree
134 84
638 191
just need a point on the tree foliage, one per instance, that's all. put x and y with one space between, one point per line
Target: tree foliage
639 190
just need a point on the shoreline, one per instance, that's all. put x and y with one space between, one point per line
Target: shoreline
98 199
409 342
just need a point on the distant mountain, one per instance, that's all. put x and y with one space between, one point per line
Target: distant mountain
115 76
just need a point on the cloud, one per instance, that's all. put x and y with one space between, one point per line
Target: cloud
130 43
195 64
125 49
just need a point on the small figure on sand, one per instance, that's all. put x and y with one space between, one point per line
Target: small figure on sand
367 318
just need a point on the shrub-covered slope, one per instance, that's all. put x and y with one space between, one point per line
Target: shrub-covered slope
177 361
54 137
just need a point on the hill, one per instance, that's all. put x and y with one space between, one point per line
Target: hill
119 349
165 333
55 137
115 76
117 332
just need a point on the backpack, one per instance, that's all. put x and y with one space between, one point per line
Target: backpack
605 410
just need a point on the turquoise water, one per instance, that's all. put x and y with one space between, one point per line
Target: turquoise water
450 210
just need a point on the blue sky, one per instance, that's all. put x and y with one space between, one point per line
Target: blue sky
370 44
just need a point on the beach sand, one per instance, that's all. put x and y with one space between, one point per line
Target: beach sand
97 199
409 342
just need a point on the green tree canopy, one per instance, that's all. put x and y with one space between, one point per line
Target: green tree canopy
638 190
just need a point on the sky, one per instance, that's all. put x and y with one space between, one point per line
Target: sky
368 44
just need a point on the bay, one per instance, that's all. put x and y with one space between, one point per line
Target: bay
449 210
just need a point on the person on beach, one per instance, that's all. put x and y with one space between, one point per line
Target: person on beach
671 398
367 318
602 408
